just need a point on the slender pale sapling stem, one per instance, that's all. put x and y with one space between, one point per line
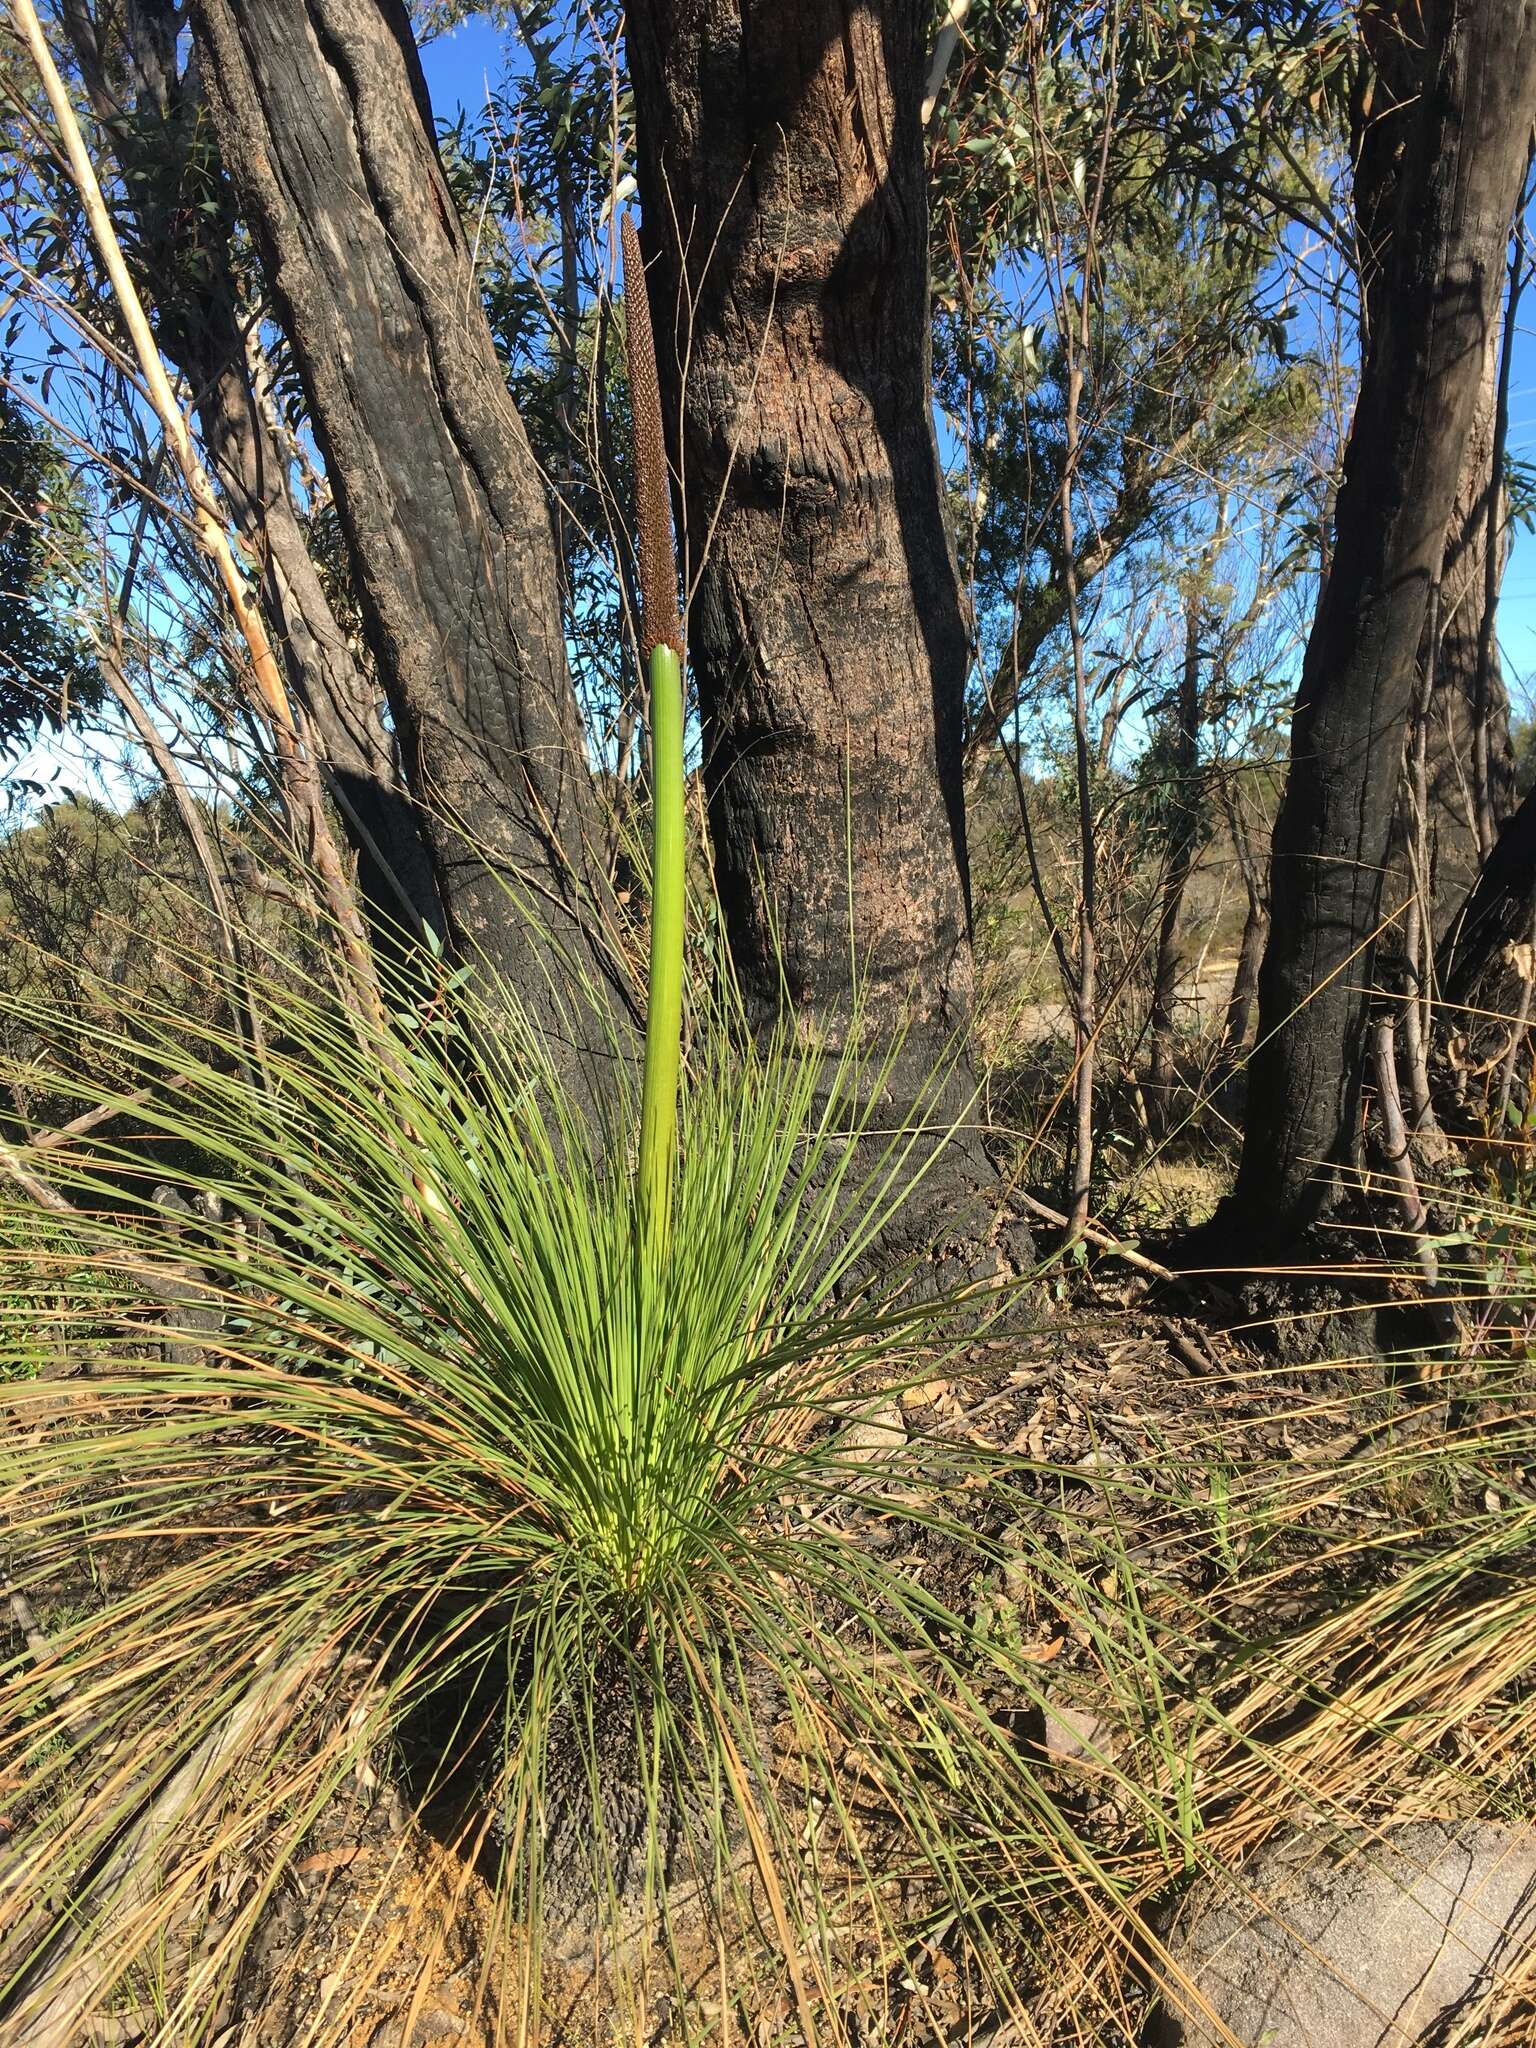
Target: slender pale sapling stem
300 773
661 636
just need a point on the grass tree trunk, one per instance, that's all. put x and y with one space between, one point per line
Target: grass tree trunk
324 124
781 169
1463 157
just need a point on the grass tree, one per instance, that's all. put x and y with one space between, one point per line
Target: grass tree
438 1467
465 1439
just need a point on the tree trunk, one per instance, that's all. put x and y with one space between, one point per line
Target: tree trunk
153 110
325 127
1250 951
1487 954
395 873
1245 982
1487 967
1463 700
1184 766
781 167
1461 167
1469 761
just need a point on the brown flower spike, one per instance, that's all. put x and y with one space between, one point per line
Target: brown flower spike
660 624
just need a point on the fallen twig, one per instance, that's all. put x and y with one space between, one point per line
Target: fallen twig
1095 1236
38 1645
101 1113
37 1190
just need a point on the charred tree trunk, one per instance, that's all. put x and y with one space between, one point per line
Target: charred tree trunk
153 107
1469 763
781 167
1184 767
1493 757
394 866
1472 763
325 127
1462 162
1469 758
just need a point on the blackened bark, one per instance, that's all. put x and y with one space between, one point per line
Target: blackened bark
394 866
1465 698
152 107
325 127
1487 968
1468 719
1460 173
1469 705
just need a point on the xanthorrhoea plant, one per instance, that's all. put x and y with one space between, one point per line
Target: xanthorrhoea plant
454 1427
483 1446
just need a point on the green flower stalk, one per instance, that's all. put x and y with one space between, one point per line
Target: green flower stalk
661 636
664 1012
